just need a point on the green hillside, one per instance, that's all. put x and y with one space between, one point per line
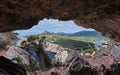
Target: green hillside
87 34
73 42
53 36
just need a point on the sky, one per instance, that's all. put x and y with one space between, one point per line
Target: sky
52 25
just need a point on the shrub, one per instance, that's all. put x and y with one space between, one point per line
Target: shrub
91 50
69 50
57 63
4 43
31 38
18 59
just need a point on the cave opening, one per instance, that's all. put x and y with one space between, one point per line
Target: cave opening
55 40
102 15
66 34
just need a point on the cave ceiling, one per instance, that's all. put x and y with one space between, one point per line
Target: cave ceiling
102 15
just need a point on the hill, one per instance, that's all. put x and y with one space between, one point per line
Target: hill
86 34
81 33
72 42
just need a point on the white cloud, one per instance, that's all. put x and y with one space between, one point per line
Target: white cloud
52 25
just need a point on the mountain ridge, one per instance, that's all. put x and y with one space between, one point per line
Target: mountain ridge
81 33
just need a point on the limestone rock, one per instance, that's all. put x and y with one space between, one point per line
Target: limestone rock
116 53
52 47
61 56
20 41
17 53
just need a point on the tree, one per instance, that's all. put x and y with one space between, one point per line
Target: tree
37 43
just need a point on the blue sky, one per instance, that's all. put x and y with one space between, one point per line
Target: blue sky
52 25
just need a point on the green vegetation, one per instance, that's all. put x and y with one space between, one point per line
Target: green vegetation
69 50
53 37
18 59
91 50
74 42
35 43
57 63
7 39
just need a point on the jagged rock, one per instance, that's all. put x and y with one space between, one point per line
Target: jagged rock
60 57
16 53
76 65
7 67
19 43
103 64
102 15
52 47
116 53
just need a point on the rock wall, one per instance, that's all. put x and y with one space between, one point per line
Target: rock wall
102 15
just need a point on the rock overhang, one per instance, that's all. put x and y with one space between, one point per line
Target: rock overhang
102 15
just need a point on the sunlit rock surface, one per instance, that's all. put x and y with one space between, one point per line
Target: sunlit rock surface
19 43
61 56
18 54
102 15
48 46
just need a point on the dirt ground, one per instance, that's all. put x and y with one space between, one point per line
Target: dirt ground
53 71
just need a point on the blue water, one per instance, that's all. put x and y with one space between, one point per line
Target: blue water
51 55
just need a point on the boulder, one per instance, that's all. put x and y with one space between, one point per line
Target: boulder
76 65
48 46
103 64
116 53
18 54
60 57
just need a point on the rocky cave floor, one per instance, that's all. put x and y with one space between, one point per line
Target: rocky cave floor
105 63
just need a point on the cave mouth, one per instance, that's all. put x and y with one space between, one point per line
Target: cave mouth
78 37
53 25
64 28
67 33
64 36
101 15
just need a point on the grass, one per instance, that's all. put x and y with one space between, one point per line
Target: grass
77 38
74 42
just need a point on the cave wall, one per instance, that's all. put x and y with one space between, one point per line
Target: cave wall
102 15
